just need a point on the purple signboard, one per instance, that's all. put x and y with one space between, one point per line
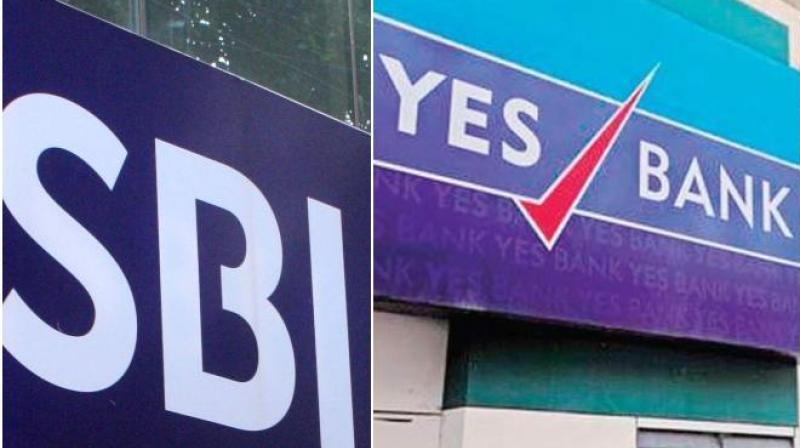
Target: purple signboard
504 190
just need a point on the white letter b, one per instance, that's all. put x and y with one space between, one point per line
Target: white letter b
183 178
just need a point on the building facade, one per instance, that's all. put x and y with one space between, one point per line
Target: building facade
495 327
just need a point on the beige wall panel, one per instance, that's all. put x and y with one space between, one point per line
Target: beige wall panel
409 362
508 428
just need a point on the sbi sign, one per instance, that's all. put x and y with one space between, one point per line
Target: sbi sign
171 250
99 358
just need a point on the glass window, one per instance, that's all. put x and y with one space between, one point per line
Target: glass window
671 439
363 43
754 442
116 11
314 51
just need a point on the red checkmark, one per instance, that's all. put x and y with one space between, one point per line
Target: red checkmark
549 216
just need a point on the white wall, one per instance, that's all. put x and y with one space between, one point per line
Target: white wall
510 428
409 358
409 362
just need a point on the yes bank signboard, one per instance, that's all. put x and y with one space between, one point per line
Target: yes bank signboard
501 188
184 261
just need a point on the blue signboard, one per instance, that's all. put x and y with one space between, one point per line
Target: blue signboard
502 187
706 80
184 252
528 128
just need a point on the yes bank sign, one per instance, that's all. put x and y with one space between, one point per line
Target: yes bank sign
539 198
184 261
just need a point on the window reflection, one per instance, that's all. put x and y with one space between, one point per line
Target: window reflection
116 11
299 48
